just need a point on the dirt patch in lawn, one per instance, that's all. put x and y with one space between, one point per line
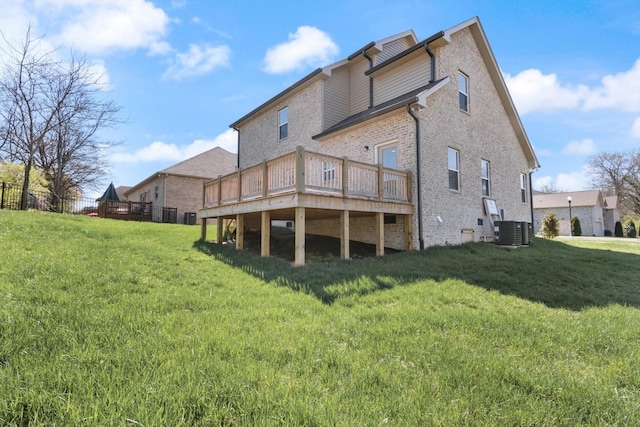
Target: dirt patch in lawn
318 248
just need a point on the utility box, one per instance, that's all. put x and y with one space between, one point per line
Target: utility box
510 233
190 218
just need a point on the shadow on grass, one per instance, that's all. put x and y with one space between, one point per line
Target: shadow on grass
549 272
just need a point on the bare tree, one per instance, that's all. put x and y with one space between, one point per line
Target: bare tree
51 113
72 155
618 173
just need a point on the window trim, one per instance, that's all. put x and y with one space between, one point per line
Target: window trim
523 187
283 124
378 149
487 178
464 94
457 171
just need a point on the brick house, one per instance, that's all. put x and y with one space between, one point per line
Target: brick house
597 214
180 186
400 144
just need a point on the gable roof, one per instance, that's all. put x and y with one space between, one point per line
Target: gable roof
207 165
438 39
611 202
586 198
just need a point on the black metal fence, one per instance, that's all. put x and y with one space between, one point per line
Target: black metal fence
11 197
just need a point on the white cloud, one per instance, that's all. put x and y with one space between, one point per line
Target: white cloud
112 25
620 91
586 147
635 128
198 60
308 46
159 151
542 182
575 181
533 91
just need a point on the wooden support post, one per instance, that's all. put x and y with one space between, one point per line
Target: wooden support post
239 231
219 190
219 230
299 237
344 235
380 182
379 234
239 185
408 232
345 177
300 169
265 179
203 229
265 234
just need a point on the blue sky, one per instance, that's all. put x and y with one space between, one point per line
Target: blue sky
183 70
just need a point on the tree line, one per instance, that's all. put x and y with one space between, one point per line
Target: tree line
51 115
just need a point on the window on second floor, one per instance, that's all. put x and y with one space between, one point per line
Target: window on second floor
283 123
463 91
454 169
485 176
523 187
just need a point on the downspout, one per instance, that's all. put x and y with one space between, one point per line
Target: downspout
531 197
418 175
433 64
238 149
364 53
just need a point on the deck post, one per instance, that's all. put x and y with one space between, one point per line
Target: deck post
380 182
265 234
219 190
300 169
265 179
239 185
299 237
345 177
219 230
203 229
240 231
379 234
408 232
344 235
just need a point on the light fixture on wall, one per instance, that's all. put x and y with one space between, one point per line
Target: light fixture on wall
366 148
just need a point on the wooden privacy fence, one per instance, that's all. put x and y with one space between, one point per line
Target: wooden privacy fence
306 172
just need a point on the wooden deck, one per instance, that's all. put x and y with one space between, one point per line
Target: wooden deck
128 211
303 185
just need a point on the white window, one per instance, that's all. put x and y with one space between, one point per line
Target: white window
523 187
328 171
454 169
486 182
283 123
463 91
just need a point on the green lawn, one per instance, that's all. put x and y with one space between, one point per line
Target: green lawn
122 323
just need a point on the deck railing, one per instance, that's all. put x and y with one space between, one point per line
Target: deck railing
307 172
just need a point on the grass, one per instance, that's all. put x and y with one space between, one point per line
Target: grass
114 323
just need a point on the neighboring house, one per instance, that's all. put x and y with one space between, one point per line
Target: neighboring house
180 186
399 145
597 214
